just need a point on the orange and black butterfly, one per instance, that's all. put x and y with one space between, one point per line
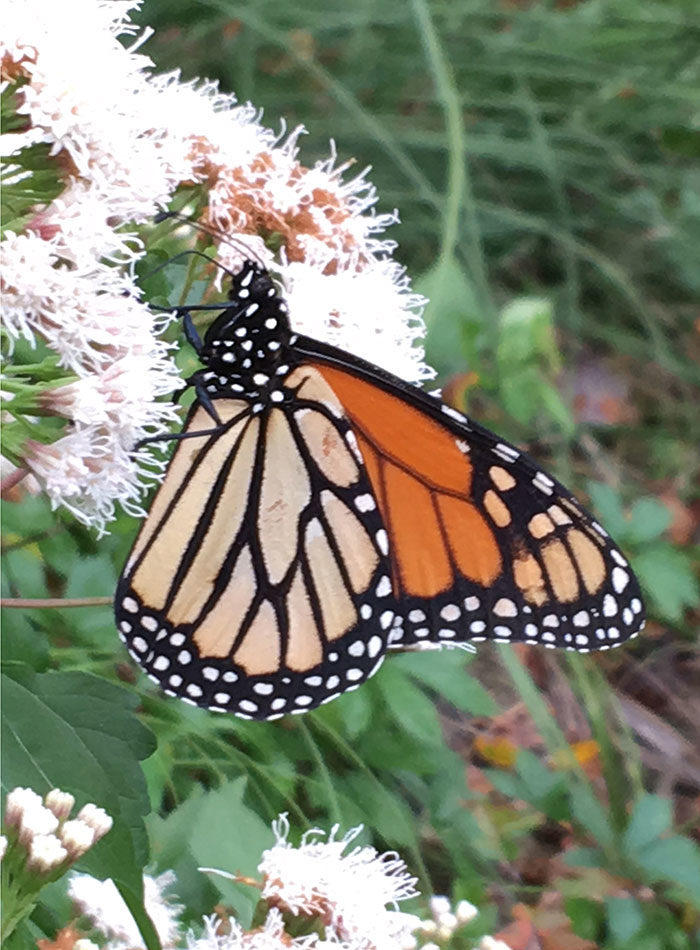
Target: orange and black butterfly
318 512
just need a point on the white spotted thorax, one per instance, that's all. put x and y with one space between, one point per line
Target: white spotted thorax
273 572
245 349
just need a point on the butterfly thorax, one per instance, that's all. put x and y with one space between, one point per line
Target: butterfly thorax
246 349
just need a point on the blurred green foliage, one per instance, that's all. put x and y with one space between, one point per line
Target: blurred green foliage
544 160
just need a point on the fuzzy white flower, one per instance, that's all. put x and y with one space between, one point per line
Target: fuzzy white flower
271 936
350 891
102 903
370 312
126 141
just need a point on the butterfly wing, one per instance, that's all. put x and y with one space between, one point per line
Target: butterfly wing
483 544
259 583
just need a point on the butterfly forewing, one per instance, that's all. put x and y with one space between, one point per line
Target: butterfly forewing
259 583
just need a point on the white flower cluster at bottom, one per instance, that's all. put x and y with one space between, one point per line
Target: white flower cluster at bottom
351 897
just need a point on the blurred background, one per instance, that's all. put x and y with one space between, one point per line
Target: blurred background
544 161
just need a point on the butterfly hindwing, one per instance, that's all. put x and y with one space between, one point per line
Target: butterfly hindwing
259 583
483 543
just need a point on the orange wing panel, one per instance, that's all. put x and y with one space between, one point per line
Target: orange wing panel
418 544
401 433
471 541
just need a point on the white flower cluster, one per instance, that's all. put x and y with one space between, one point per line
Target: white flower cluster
42 837
353 895
125 140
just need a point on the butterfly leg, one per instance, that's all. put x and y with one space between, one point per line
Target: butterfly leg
193 337
205 400
208 404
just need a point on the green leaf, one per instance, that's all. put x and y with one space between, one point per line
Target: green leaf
673 859
411 709
584 858
23 573
667 575
76 732
648 519
91 577
526 334
589 813
606 504
453 316
559 410
537 778
624 917
226 834
32 517
650 818
585 916
391 817
354 710
520 390
444 672
23 641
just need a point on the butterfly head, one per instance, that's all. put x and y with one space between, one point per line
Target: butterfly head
250 336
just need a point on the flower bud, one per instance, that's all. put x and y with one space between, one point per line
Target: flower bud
465 912
16 803
60 803
96 818
439 904
77 836
45 853
36 820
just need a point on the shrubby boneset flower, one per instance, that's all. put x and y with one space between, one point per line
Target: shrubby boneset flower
356 892
324 894
122 145
40 843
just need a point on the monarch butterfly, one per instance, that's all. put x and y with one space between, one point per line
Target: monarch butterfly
319 511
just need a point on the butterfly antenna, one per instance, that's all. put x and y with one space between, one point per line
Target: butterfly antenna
212 232
182 254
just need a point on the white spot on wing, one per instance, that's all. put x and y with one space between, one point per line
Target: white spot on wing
374 646
453 413
543 482
505 608
383 588
620 579
506 452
